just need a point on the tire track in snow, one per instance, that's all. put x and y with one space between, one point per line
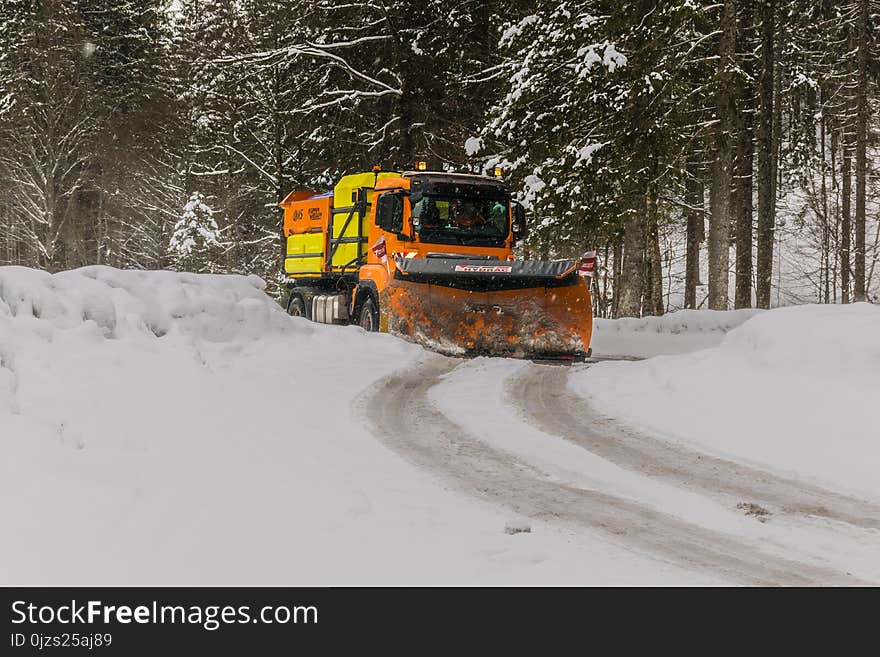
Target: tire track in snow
404 419
541 392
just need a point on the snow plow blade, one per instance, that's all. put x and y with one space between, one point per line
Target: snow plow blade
481 307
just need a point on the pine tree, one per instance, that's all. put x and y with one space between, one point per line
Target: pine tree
195 237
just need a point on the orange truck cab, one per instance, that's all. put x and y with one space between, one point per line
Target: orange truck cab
429 256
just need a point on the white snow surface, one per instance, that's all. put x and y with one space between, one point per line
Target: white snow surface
159 428
474 394
795 390
162 428
678 332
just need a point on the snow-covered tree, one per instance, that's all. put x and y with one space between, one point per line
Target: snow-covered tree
196 236
599 110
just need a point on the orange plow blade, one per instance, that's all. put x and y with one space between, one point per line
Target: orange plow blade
521 309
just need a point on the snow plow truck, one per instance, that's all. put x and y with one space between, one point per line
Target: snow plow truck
428 256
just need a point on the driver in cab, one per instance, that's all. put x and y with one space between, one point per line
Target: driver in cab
468 216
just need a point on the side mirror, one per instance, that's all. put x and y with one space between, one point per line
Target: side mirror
519 228
385 212
415 191
389 213
415 215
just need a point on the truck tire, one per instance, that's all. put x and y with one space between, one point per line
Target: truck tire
368 316
296 307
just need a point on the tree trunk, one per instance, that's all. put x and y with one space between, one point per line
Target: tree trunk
406 157
743 292
846 191
695 234
722 167
654 295
845 222
617 281
605 273
835 191
825 276
633 268
719 231
745 150
657 272
861 142
765 144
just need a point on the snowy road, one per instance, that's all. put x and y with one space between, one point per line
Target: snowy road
494 464
542 393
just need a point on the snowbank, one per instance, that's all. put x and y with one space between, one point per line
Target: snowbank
792 389
674 333
174 429
128 304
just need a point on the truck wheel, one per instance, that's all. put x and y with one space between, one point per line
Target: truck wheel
296 307
368 317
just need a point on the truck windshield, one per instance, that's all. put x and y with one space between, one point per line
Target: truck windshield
462 220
